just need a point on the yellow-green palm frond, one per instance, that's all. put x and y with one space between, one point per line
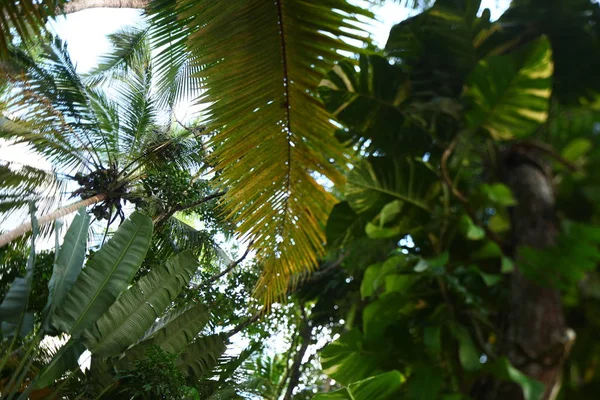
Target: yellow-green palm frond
261 63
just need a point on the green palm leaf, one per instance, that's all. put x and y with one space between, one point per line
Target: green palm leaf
24 183
273 133
106 275
367 101
69 262
135 311
374 183
379 387
510 94
202 355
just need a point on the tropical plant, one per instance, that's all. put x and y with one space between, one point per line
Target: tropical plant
105 142
116 324
470 157
469 212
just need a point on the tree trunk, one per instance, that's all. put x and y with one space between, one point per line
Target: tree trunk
44 219
305 333
80 5
537 337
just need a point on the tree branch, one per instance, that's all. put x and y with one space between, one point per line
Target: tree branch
550 151
80 5
461 197
231 266
305 333
168 214
244 324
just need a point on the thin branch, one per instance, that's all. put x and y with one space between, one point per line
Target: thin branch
168 214
244 324
550 151
305 333
317 275
288 368
231 266
461 197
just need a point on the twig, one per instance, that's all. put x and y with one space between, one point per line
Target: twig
550 151
244 324
231 266
461 197
166 215
305 334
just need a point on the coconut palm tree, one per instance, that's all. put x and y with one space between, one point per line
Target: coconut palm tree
103 133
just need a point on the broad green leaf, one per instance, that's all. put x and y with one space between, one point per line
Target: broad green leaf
488 250
398 283
469 229
507 265
490 279
432 338
343 224
375 274
373 184
66 359
15 301
69 262
576 149
367 98
379 387
341 394
425 383
467 352
499 222
379 315
345 361
376 231
499 194
440 30
136 309
9 329
432 263
509 94
105 276
202 355
14 317
390 211
175 331
502 369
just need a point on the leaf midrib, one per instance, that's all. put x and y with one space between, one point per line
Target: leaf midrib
76 241
393 194
116 264
145 300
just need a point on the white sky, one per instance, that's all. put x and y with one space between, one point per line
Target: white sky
85 31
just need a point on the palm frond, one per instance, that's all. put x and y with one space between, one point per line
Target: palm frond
23 21
174 66
274 136
50 95
22 184
130 49
175 236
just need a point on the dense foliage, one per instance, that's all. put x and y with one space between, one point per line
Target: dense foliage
418 221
